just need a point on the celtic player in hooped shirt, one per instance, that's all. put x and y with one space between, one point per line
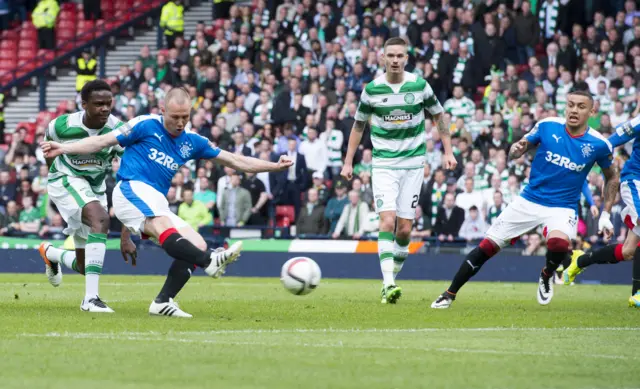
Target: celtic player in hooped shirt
395 103
76 185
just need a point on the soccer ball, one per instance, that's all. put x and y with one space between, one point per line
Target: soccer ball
300 275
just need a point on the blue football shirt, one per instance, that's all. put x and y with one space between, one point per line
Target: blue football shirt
623 134
153 156
562 163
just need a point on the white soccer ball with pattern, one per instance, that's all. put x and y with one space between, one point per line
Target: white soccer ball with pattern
300 275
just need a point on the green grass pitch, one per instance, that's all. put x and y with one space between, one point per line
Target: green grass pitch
251 333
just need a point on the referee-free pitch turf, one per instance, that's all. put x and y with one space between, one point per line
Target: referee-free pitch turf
251 333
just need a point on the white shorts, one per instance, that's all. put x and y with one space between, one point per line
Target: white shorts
70 195
397 190
135 201
521 216
629 193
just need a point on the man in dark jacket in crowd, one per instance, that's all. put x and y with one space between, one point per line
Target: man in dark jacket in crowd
311 218
527 32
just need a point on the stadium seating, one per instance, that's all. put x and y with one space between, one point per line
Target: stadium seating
71 31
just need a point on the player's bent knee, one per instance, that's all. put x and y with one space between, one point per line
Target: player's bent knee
558 244
96 217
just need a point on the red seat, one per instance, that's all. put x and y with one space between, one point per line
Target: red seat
101 27
285 215
66 24
86 30
43 118
28 25
65 40
27 54
29 35
61 108
9 45
46 55
67 16
142 5
7 64
26 44
68 7
26 66
10 35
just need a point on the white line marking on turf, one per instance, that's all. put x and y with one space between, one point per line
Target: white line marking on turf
334 330
340 344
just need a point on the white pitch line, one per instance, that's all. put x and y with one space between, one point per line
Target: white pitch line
340 344
333 331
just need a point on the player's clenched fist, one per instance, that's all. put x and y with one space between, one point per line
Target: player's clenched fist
449 162
51 149
284 163
347 172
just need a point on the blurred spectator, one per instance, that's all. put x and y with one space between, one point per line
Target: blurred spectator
259 198
474 226
55 229
494 210
172 21
366 164
421 225
44 19
365 195
527 32
204 194
311 219
86 69
235 209
194 212
7 189
449 219
290 184
4 14
174 203
91 9
432 194
224 184
314 151
336 204
535 246
470 197
39 184
29 216
239 145
352 221
25 191
10 220
321 188
459 105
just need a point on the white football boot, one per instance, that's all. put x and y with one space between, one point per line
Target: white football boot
167 309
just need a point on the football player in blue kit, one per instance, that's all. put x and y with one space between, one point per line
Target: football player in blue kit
567 149
629 188
155 148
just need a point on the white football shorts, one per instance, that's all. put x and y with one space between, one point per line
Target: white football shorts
522 216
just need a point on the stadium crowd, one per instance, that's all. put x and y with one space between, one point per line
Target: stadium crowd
285 78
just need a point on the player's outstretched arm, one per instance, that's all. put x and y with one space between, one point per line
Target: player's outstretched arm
354 142
252 165
448 159
88 145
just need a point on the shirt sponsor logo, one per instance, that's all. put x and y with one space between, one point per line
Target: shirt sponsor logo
564 162
86 161
397 116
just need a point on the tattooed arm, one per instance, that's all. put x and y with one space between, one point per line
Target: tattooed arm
354 142
611 187
448 160
518 148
